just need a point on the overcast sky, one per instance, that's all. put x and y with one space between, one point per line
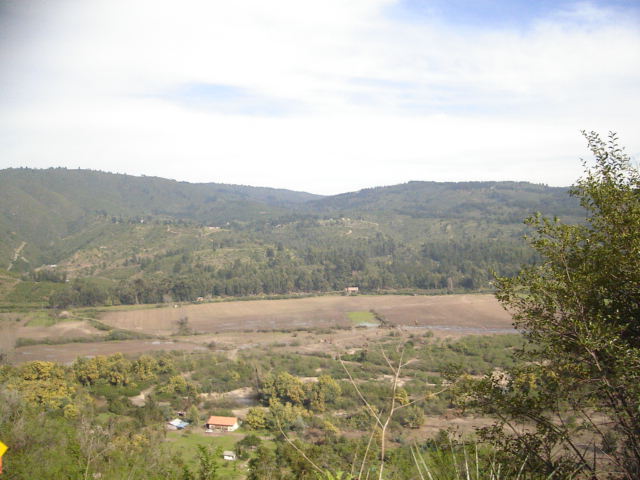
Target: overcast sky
325 96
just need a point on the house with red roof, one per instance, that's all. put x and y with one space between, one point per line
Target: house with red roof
222 424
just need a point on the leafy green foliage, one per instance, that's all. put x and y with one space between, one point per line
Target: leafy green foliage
264 465
128 240
208 464
54 436
579 309
93 394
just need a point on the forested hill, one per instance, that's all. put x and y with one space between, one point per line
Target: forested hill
71 193
505 202
42 206
182 241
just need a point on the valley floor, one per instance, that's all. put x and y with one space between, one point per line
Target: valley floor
307 325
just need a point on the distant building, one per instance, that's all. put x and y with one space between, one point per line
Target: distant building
229 455
177 424
350 290
222 424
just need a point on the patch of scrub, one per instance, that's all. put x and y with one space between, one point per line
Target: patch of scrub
41 319
366 319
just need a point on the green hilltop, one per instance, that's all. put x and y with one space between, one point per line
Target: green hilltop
147 239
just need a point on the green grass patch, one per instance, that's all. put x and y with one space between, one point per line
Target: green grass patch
185 442
19 307
359 318
33 292
113 336
41 319
97 312
103 418
122 273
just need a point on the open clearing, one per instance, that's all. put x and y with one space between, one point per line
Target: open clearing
463 313
68 352
15 326
329 324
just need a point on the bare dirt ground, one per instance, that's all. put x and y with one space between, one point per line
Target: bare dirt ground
141 399
67 329
455 423
464 313
67 353
231 327
13 327
244 396
9 325
328 341
16 255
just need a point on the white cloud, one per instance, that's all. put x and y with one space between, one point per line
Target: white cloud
374 100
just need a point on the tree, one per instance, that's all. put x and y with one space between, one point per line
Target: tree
264 465
579 309
283 387
145 367
256 418
249 442
208 465
44 384
412 417
318 393
179 385
193 415
183 326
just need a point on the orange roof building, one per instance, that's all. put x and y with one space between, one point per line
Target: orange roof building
224 424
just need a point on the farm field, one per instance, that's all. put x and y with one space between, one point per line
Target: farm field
67 353
463 313
309 325
37 326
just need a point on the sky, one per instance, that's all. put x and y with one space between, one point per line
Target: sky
322 96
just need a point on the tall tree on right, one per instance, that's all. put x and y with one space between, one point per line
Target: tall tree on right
573 406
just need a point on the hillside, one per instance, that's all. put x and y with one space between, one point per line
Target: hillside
144 239
42 206
501 202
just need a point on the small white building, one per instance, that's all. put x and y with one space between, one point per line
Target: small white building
229 455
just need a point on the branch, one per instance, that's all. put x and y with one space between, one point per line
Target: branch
364 400
298 449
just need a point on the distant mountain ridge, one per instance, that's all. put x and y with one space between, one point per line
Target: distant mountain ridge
423 199
41 206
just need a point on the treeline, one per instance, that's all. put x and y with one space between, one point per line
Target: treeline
372 265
